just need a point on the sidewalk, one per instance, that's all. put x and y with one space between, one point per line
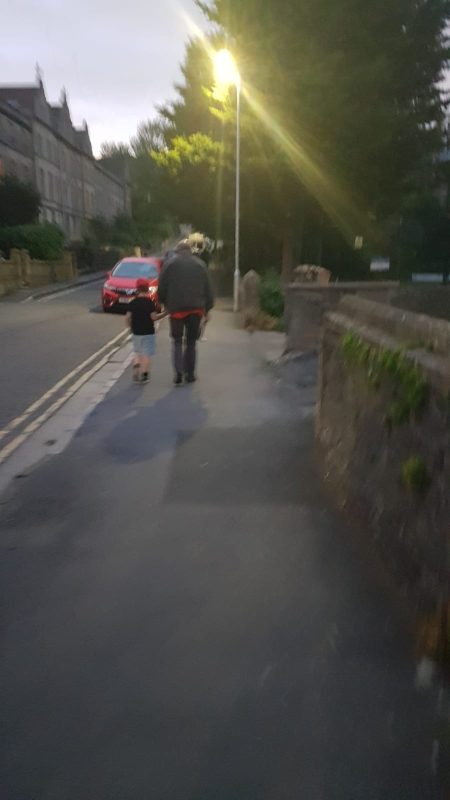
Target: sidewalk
184 617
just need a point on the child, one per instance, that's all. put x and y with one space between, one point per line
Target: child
141 317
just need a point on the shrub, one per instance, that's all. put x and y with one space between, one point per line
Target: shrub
19 202
415 475
271 295
44 241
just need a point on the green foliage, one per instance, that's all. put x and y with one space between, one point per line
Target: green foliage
339 122
148 187
190 112
367 92
114 150
186 181
43 241
382 366
151 135
19 202
421 242
271 294
336 119
125 232
415 476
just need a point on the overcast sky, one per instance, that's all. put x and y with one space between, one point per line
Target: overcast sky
117 58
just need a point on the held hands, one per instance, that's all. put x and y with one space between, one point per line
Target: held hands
155 317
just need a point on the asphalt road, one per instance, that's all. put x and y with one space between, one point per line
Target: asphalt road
42 341
184 616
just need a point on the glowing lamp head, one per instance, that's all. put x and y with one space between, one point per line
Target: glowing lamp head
225 69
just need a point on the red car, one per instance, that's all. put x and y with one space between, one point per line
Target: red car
120 285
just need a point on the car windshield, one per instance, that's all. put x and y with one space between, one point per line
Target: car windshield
136 269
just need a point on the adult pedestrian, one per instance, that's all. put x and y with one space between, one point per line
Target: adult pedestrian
185 291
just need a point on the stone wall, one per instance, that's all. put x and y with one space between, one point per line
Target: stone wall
306 305
431 300
22 271
383 424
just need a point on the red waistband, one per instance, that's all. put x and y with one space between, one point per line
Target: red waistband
184 314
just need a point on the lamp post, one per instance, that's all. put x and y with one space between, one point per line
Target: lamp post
227 74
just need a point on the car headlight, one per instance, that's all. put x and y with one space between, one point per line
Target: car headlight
109 287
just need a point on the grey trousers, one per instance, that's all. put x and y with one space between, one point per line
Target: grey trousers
185 333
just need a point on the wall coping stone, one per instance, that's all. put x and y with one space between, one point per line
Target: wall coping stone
405 326
436 366
344 286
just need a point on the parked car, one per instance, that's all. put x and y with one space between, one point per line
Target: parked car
120 285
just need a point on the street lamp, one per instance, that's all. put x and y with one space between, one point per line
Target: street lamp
226 75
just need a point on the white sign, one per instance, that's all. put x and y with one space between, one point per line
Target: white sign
380 265
427 277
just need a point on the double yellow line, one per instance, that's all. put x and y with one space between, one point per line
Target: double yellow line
73 381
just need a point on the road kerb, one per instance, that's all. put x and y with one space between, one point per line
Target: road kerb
22 418
35 424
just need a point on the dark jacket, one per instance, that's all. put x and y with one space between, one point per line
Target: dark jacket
184 284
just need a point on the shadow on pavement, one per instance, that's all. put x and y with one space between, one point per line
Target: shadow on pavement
153 429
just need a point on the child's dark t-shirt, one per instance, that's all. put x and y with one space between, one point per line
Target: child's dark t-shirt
141 322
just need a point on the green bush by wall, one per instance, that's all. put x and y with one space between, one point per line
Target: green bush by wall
43 241
271 294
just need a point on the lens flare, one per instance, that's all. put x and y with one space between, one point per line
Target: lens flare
333 199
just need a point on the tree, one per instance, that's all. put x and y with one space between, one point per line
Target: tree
337 116
149 224
191 113
188 173
146 204
114 150
19 202
151 136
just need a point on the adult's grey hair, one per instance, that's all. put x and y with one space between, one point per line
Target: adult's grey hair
182 247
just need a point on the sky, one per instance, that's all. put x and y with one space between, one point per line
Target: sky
117 59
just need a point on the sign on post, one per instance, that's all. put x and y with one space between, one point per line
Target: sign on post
380 265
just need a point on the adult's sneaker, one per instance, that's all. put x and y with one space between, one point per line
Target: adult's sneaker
178 379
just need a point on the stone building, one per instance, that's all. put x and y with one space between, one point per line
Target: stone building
40 144
16 143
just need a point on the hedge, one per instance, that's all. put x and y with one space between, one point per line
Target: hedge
43 241
271 294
